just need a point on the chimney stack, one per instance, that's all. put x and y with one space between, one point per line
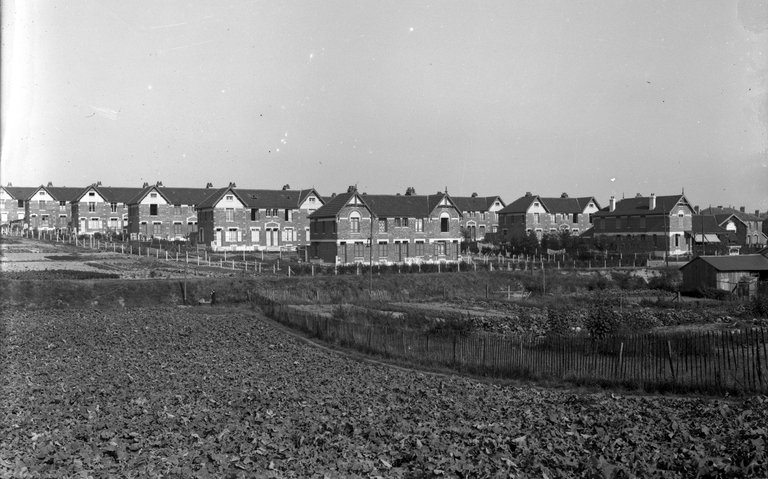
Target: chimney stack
286 187
696 209
612 203
208 185
757 212
474 195
410 191
50 184
159 184
351 189
232 184
527 193
652 202
742 209
145 185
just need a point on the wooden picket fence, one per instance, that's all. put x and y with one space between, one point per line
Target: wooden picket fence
708 361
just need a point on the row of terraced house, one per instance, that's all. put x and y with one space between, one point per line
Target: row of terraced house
358 227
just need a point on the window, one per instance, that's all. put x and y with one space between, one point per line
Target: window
254 214
153 210
229 197
201 236
90 193
575 218
383 253
382 225
91 206
536 218
62 205
157 229
143 229
153 195
44 220
113 207
642 222
354 222
359 250
94 224
41 203
398 222
288 215
177 229
419 249
177 210
311 199
511 219
20 203
288 234
114 223
444 224
601 222
628 219
230 214
232 235
419 225
618 222
440 248
254 236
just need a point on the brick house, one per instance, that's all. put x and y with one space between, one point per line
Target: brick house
265 220
748 227
49 208
13 201
546 215
165 213
402 229
102 209
479 214
649 219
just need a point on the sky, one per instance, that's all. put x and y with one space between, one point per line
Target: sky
599 98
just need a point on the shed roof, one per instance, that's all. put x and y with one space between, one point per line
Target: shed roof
745 262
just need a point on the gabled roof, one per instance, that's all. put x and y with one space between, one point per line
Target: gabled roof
640 205
58 193
551 204
386 206
283 199
175 196
20 192
731 211
706 224
745 262
112 194
476 203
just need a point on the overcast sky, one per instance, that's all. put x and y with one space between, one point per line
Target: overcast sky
590 98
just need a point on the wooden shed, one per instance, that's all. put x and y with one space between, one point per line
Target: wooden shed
728 273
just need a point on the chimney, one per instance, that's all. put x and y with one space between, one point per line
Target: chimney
742 209
410 191
696 209
145 185
757 212
474 195
564 195
612 203
50 184
286 187
208 185
233 185
159 184
351 189
652 202
98 183
333 195
527 193
10 185
639 195
720 207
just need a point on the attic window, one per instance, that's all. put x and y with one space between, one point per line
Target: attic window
535 203
153 195
312 199
91 193
230 197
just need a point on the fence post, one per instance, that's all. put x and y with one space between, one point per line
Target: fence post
669 355
454 348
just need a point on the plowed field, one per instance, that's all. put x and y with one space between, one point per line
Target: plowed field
207 392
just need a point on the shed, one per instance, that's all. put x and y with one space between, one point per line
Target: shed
725 272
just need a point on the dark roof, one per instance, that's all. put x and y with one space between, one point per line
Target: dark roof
706 224
745 262
20 192
475 203
640 205
385 206
262 198
175 196
63 193
551 204
112 194
731 211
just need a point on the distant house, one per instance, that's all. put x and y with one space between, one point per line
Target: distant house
266 220
728 273
665 222
708 236
479 214
546 215
102 209
354 227
13 201
49 208
748 227
165 213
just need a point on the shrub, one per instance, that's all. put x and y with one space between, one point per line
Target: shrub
711 293
602 321
758 306
667 280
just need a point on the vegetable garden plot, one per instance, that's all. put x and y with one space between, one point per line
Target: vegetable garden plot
709 361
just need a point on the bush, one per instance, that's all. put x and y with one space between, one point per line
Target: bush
602 321
758 306
667 280
712 293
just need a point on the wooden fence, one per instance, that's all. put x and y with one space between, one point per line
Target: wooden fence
709 361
